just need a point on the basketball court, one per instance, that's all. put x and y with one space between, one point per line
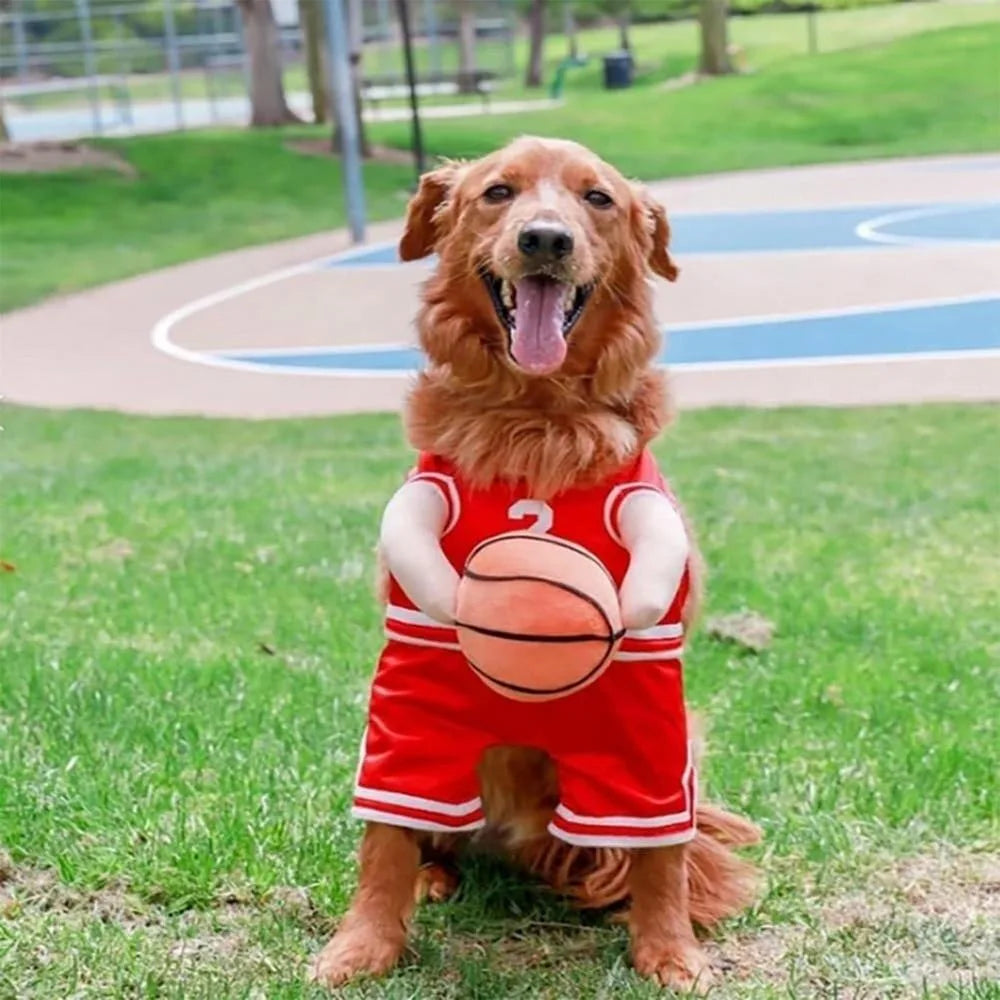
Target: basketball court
835 284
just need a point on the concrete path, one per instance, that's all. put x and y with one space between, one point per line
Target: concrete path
833 285
149 117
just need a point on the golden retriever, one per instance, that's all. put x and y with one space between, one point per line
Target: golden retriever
568 407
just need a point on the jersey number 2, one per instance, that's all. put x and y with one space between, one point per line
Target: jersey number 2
543 514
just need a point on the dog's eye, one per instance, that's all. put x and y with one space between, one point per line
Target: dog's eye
598 199
498 193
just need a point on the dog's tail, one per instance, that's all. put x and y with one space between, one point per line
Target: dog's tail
720 882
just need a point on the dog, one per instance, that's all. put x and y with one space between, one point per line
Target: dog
540 340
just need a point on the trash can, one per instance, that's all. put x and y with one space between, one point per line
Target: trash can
617 70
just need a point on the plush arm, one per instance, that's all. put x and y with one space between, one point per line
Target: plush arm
410 542
654 535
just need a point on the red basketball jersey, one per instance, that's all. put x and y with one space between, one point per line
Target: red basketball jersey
625 766
587 516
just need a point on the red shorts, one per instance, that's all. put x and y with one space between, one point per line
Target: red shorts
626 773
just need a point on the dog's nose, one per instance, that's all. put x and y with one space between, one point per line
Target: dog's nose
545 241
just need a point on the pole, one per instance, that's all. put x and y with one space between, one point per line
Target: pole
411 82
20 43
124 69
813 41
343 94
89 69
173 61
433 41
384 33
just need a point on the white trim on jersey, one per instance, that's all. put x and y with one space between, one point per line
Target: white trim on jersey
447 483
413 823
659 654
672 819
610 520
674 630
610 840
411 616
413 641
416 802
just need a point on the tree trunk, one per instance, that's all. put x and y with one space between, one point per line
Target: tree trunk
466 46
570 30
263 42
536 28
715 59
4 134
317 66
355 50
624 22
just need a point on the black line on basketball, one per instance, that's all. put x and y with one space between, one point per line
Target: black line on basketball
551 539
497 633
564 689
558 584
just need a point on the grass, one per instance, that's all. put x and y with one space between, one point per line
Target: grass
186 633
194 194
199 193
929 93
765 39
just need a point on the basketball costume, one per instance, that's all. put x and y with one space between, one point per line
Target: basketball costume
620 745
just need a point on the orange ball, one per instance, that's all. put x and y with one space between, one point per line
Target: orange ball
538 616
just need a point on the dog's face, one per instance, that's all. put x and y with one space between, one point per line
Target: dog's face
541 242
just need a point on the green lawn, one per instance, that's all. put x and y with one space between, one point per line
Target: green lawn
765 39
934 92
186 631
200 193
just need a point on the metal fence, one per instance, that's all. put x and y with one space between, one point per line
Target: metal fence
72 68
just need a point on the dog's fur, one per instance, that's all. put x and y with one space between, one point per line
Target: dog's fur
474 406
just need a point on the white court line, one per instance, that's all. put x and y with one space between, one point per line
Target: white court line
160 334
870 229
749 321
821 361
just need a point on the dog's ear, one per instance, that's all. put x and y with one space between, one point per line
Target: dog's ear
425 211
657 231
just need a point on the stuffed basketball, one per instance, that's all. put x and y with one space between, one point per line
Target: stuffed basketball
537 616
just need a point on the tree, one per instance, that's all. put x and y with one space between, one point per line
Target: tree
268 105
466 46
311 19
536 29
714 59
622 11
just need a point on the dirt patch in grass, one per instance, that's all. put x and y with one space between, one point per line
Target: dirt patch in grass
380 154
929 919
906 923
29 890
744 628
960 890
54 157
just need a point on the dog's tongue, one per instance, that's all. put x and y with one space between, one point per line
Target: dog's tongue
538 344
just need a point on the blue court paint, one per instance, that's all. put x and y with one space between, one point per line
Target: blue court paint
810 229
959 326
964 223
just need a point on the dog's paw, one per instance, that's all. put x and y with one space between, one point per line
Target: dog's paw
436 884
355 951
678 965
